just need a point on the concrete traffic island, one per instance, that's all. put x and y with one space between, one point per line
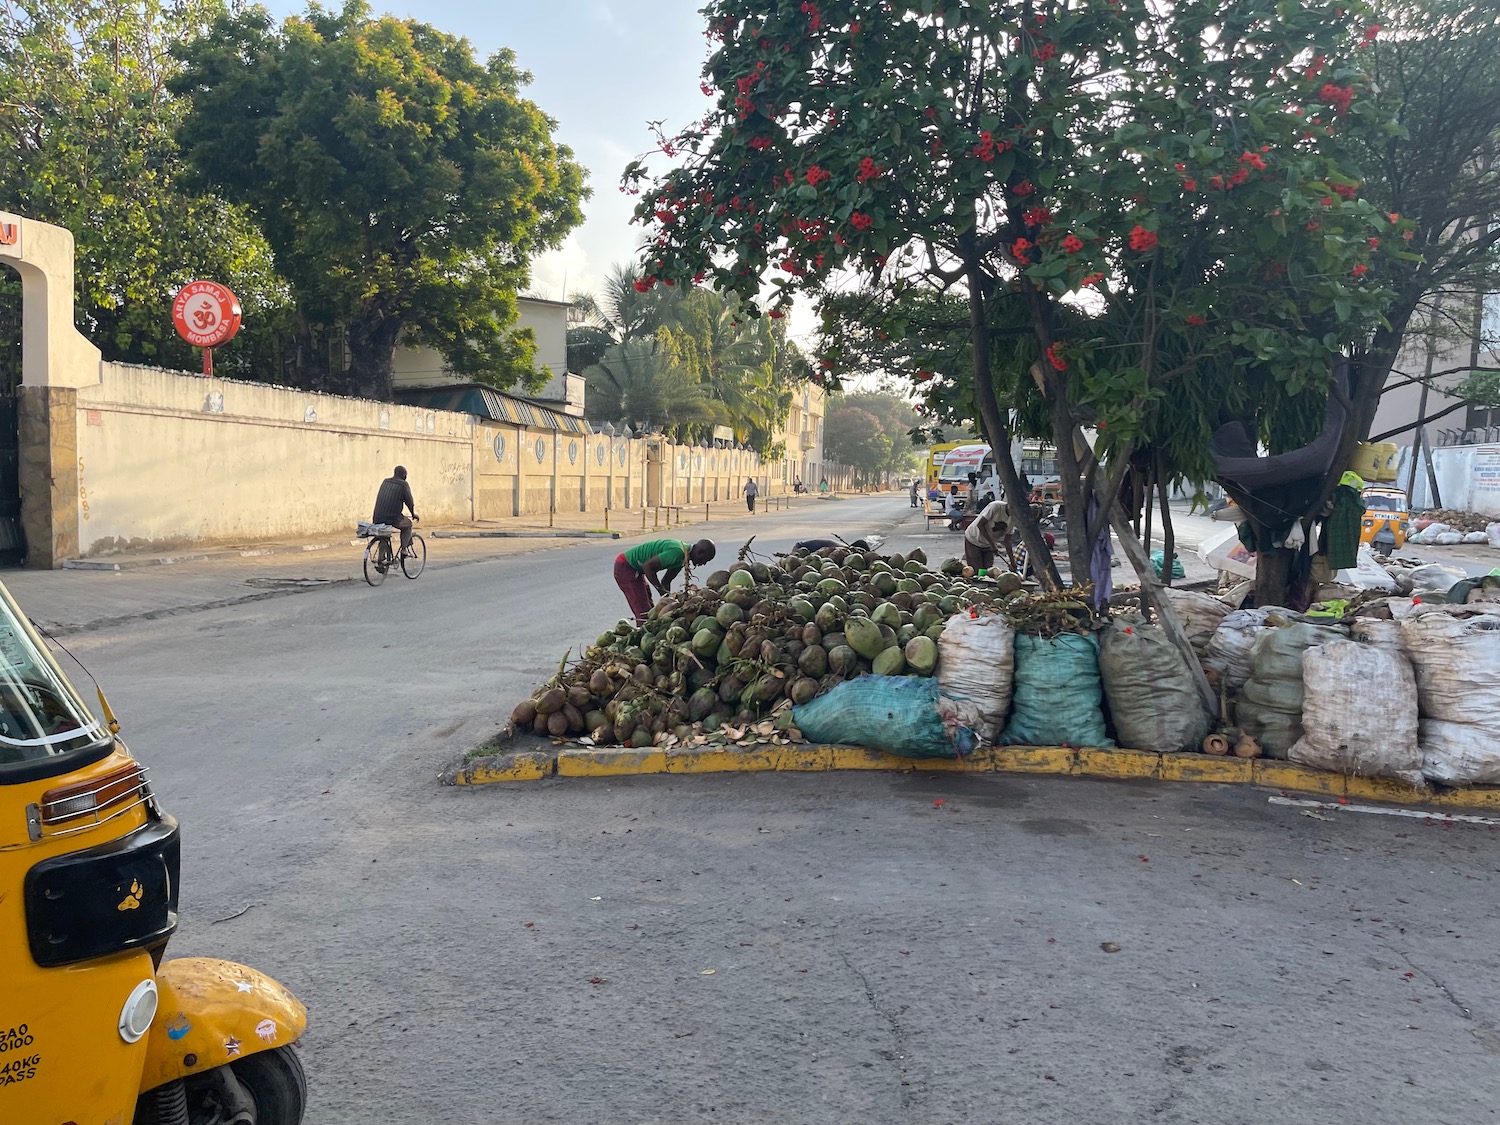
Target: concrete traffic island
537 760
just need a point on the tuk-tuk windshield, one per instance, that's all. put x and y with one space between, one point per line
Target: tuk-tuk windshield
1384 502
41 715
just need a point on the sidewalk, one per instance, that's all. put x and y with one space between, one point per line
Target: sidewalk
143 585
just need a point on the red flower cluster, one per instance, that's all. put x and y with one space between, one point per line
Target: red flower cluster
1190 184
1142 239
860 221
1371 33
760 143
810 10
1337 96
776 314
1023 189
1216 182
868 170
1315 69
1021 248
1072 244
1253 160
1195 319
1344 191
708 91
642 285
987 146
817 175
1091 279
923 376
1054 355
1037 216
1360 270
1374 244
1045 52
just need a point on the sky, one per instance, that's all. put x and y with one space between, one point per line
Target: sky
601 69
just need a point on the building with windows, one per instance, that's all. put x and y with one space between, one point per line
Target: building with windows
422 378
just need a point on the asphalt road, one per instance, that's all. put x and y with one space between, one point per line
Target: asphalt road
861 948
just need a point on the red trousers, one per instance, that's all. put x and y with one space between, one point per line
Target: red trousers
633 583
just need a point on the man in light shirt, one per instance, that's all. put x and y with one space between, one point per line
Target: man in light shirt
982 538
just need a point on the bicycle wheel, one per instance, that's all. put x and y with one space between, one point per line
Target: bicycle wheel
415 558
377 561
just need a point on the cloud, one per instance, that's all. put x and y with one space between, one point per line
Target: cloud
605 17
559 273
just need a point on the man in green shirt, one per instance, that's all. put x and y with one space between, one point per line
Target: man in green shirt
658 562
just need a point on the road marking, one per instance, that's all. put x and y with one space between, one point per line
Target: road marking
1382 810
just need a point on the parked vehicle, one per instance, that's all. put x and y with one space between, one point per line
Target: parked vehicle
1387 519
96 1026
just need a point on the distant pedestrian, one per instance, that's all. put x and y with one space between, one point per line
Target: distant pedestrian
752 490
913 494
657 562
822 486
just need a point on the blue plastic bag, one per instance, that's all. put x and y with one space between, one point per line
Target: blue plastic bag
897 714
1057 693
1158 561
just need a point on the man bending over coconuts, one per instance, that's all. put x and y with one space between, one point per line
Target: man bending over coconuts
657 561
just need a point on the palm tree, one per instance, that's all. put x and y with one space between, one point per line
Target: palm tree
644 383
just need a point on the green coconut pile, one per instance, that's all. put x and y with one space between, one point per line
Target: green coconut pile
754 637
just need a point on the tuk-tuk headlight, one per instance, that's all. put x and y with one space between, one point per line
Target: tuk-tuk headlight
139 1011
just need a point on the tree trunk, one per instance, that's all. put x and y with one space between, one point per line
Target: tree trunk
372 356
995 427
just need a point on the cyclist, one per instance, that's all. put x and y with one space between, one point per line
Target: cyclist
658 562
395 496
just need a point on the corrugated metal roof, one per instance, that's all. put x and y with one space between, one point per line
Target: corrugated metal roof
486 402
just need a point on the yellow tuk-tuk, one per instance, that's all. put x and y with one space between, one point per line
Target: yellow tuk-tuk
1386 519
95 1027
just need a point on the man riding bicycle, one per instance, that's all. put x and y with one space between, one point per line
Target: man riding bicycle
393 497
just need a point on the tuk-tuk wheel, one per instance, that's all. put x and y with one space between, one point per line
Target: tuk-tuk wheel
277 1083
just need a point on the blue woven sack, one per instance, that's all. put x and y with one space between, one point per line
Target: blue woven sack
1057 693
897 714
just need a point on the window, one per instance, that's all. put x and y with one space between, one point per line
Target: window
1489 322
41 716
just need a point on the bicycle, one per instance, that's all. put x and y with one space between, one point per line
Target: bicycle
380 556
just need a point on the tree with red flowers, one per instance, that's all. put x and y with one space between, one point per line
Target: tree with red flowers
1151 163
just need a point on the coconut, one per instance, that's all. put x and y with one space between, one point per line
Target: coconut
843 661
813 661
922 654
864 636
525 713
550 701
812 635
891 662
886 614
740 579
557 724
803 690
539 724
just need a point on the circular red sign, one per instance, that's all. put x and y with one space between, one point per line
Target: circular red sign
206 313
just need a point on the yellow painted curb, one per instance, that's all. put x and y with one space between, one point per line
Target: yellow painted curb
525 765
1121 765
1035 759
703 759
1056 761
1484 797
610 762
1206 767
1271 774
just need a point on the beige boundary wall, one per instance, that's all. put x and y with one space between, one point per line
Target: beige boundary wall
116 457
167 460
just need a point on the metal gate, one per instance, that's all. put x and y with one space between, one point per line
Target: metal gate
12 540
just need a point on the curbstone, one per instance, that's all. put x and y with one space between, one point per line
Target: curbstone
1207 767
609 762
1274 774
1121 764
518 765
